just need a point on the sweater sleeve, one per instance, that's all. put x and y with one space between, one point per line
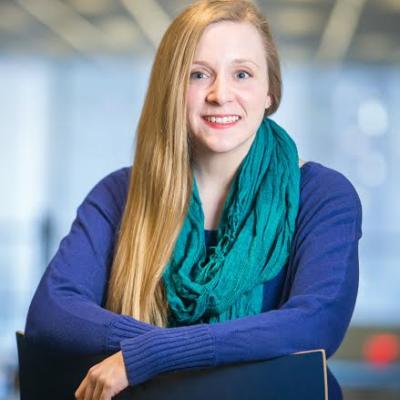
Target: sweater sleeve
316 315
66 312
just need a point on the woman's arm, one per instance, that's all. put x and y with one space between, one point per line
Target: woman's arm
316 314
66 312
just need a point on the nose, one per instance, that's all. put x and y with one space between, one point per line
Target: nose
220 91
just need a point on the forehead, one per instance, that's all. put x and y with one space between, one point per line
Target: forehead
231 40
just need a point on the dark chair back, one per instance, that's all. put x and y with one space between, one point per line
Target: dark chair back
46 375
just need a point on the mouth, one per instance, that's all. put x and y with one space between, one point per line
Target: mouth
221 121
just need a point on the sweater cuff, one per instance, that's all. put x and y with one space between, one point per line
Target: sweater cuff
125 327
167 350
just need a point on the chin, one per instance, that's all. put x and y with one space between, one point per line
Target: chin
224 147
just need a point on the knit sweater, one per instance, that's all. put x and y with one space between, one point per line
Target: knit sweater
308 305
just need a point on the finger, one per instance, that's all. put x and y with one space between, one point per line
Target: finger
98 390
90 386
80 392
105 395
107 391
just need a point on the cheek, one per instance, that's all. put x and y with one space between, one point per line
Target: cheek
192 108
193 98
255 96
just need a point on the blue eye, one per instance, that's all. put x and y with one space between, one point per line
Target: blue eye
197 75
241 75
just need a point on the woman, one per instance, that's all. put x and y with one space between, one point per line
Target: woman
219 245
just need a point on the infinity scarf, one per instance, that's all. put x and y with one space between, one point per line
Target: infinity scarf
253 238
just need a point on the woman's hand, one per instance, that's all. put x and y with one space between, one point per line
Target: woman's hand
104 380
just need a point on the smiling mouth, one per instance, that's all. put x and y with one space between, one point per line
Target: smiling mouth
222 120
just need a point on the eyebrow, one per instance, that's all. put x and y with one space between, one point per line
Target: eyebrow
235 61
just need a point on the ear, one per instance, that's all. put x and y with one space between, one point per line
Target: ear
268 102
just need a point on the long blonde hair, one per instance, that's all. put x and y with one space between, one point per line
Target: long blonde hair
160 183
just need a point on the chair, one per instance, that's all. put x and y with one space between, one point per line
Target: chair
47 375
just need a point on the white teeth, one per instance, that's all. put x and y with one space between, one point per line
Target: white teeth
224 120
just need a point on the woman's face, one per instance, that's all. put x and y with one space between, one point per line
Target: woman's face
228 88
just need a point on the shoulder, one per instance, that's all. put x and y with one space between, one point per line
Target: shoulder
324 192
319 181
115 183
108 195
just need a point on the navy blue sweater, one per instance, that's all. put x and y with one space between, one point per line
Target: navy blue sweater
307 306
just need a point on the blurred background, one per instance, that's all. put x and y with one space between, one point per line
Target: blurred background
73 75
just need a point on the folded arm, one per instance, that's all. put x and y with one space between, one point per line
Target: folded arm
67 311
316 314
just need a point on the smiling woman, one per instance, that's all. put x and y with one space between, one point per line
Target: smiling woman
217 245
228 91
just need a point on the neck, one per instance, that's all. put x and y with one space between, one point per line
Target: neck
217 170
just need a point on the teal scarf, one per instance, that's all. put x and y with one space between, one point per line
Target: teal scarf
253 238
